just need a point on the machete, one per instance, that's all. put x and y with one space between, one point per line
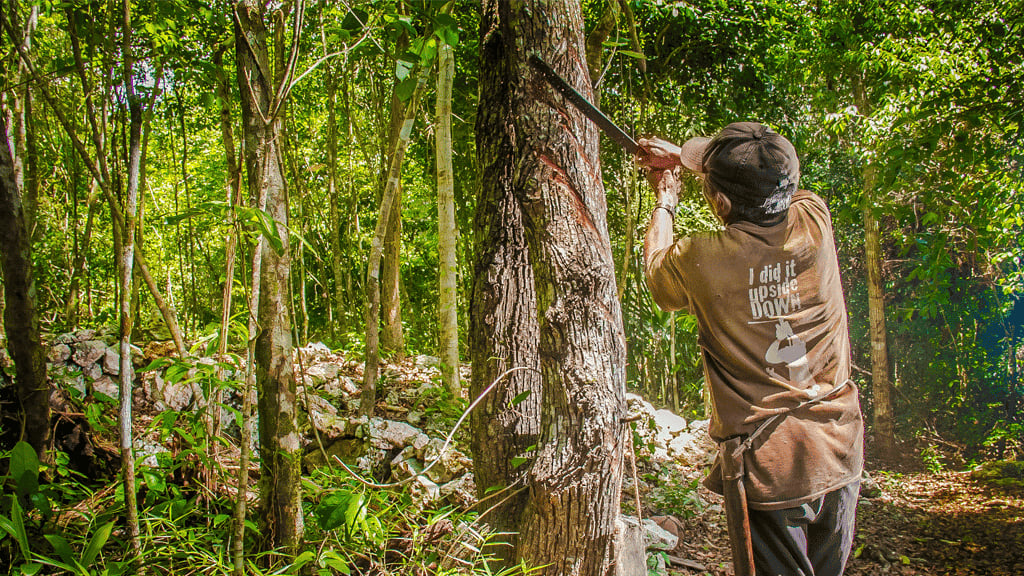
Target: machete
583 105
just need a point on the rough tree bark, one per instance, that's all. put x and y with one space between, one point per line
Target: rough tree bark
19 313
503 328
262 117
447 308
18 306
882 427
570 520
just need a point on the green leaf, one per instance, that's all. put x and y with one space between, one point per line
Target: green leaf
31 568
61 547
157 364
402 69
633 54
518 461
520 397
25 468
331 512
96 543
302 559
15 526
355 513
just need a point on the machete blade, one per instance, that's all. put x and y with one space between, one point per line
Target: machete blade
612 130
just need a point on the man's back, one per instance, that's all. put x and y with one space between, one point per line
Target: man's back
773 331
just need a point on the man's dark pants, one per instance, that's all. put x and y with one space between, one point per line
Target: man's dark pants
810 540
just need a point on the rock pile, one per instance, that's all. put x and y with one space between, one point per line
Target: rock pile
88 362
666 436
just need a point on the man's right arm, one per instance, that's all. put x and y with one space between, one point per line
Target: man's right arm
665 289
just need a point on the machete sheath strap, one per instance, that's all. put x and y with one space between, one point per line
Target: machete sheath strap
734 490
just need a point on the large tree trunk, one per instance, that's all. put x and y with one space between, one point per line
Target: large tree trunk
18 302
19 312
503 328
280 441
553 171
883 429
447 308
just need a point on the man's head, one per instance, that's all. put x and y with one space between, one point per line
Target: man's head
754 168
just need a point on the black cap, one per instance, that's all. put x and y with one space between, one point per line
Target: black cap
754 166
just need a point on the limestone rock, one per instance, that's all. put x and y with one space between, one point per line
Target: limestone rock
387 434
88 352
58 353
112 361
657 538
107 386
461 491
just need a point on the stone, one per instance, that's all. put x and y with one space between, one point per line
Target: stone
449 464
424 361
173 395
424 492
657 538
107 386
669 422
315 349
92 371
325 418
389 434
461 491
405 464
340 387
629 537
348 450
112 361
147 452
88 352
58 353
314 375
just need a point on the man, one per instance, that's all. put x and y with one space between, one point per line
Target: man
773 334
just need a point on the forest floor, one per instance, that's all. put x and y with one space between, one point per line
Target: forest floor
916 522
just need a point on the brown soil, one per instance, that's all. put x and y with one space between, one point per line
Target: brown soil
919 523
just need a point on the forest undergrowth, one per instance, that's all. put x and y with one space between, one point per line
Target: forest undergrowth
916 515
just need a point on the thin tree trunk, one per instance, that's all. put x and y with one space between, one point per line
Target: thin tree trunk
569 524
262 113
392 336
21 321
881 386
368 398
336 304
125 267
448 319
71 308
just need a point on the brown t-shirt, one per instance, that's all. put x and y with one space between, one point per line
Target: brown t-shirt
773 332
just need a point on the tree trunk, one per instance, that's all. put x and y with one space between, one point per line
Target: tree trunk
21 321
125 267
447 308
338 303
368 398
280 441
392 337
883 428
503 328
569 522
